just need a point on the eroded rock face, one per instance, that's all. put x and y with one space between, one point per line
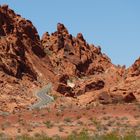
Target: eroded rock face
129 98
65 90
134 70
23 62
94 86
19 44
73 55
105 98
75 68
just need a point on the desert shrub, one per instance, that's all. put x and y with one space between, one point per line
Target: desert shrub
48 124
24 137
67 120
131 137
83 135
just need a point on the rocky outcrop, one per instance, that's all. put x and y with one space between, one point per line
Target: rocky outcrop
20 45
76 68
105 98
23 62
94 86
129 98
73 58
134 70
73 55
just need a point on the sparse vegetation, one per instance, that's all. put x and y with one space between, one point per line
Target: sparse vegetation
95 122
67 119
58 114
83 135
80 123
19 130
55 97
61 129
29 129
48 124
78 117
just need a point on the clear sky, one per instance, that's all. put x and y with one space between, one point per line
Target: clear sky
112 24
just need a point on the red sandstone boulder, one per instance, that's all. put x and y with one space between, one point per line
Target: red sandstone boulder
129 98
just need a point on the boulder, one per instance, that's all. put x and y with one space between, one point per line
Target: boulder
130 97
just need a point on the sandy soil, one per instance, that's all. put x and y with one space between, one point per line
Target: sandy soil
63 121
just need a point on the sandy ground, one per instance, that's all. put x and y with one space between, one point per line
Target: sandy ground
63 121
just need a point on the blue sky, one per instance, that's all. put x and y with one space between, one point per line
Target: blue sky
112 24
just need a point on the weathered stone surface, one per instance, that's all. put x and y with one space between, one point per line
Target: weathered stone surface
73 55
76 68
23 62
20 45
104 98
129 98
134 70
94 86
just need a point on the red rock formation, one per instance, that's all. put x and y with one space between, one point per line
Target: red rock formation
134 70
20 45
73 55
21 56
75 68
